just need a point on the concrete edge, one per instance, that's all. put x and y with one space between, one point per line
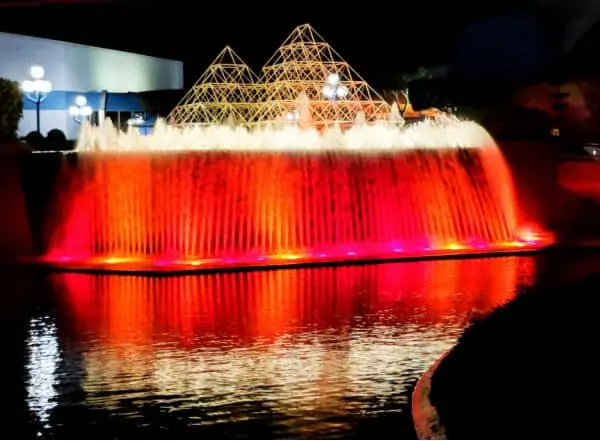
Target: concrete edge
424 414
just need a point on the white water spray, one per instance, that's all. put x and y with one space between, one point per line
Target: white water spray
439 133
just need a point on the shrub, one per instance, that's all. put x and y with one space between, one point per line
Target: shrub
35 140
56 140
11 108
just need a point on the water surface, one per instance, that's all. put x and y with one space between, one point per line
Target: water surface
328 352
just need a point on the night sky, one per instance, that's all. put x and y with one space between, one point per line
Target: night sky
380 39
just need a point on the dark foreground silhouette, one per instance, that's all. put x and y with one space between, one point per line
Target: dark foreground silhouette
527 371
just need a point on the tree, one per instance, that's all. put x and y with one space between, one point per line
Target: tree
11 108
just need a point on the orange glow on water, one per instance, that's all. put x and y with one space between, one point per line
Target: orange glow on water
250 305
202 210
325 341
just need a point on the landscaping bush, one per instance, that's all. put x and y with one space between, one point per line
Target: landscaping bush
56 140
36 140
11 109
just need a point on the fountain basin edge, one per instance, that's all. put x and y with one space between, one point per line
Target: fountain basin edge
154 267
424 414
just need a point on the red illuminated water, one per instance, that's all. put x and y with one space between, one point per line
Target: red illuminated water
251 306
136 210
304 353
315 353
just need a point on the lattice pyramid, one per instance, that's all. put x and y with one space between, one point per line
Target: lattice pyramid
305 64
226 91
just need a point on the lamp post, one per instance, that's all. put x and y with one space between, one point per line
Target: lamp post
333 90
37 89
80 111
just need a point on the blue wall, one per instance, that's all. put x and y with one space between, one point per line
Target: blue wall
62 100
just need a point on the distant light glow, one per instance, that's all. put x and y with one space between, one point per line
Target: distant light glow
454 246
37 72
333 79
328 92
27 86
41 86
80 100
36 89
136 120
81 109
292 116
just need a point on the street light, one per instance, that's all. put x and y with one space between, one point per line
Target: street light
332 89
37 89
80 110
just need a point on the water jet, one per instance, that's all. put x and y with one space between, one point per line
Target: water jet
214 197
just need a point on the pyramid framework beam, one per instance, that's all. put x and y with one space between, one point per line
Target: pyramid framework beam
305 65
226 91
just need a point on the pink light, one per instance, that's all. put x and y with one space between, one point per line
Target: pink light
397 250
351 253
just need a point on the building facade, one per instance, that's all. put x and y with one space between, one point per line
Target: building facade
109 79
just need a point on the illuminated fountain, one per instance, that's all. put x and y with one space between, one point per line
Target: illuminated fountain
219 196
306 164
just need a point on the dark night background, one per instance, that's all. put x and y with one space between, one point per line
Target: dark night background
380 39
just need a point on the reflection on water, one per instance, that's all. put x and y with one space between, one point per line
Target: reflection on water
318 352
43 363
